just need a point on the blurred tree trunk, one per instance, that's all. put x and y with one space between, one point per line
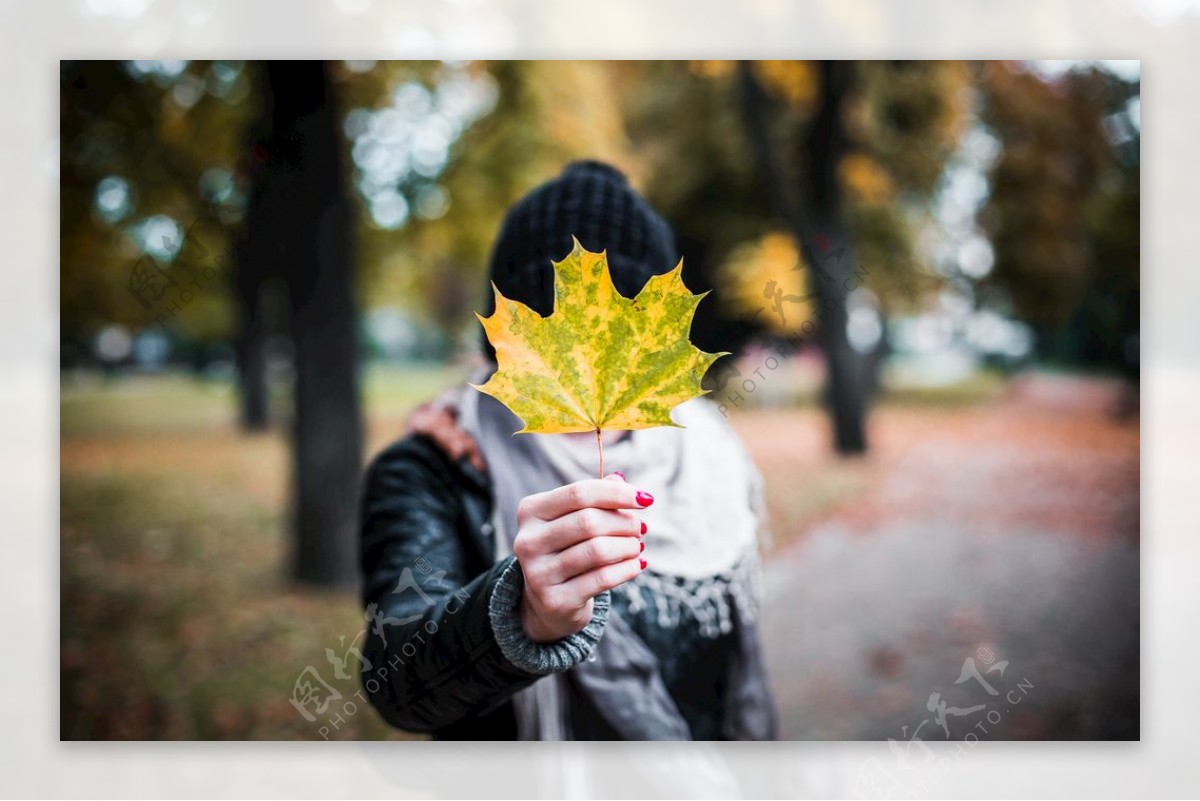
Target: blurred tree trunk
253 361
253 269
825 146
252 334
813 210
306 225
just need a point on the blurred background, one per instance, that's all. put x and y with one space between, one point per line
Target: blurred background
928 273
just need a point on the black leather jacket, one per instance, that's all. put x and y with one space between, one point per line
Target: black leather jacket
432 660
428 567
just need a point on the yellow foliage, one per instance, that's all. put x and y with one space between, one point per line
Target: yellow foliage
796 82
712 69
865 179
767 281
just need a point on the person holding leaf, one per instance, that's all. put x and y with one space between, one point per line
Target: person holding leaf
588 523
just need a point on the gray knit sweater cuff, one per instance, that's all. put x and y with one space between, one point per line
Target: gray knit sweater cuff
540 658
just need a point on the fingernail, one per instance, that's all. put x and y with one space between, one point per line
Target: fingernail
643 526
641 547
642 562
619 473
644 499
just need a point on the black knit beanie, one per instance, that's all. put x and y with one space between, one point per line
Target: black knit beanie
593 202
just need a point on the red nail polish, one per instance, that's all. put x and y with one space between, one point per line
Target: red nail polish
619 474
644 499
642 562
641 547
643 526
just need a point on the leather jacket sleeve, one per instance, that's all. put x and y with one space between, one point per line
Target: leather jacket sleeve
433 658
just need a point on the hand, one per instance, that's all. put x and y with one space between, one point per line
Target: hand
438 420
573 543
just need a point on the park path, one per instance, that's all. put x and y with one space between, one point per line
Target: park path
997 545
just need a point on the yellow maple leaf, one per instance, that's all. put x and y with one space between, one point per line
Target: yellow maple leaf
599 361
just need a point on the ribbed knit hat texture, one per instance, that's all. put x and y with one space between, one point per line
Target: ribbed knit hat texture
593 202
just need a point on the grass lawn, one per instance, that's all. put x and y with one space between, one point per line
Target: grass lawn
177 620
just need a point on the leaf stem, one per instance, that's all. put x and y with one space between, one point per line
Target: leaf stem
600 445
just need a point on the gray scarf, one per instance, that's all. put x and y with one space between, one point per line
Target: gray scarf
701 542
